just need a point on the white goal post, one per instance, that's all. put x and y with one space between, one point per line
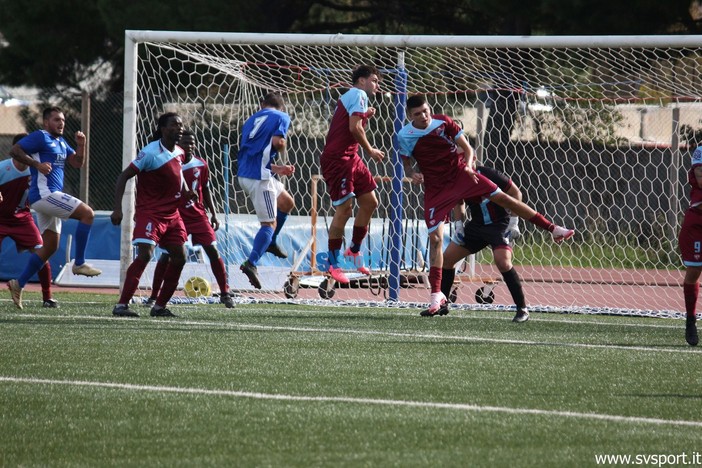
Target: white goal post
596 132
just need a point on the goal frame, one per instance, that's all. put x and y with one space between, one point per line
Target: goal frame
133 38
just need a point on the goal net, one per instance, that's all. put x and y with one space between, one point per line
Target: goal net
597 133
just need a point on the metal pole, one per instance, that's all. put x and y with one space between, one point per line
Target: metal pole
225 163
129 151
85 128
673 175
396 199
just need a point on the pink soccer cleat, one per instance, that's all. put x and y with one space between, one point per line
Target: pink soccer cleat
560 234
357 261
438 305
338 275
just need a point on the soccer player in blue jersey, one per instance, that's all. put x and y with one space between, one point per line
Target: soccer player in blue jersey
262 141
46 153
346 174
160 191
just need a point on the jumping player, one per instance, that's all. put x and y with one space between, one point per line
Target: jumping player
262 142
433 142
345 173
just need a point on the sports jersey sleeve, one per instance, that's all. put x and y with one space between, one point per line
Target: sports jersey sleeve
142 161
283 125
356 102
452 129
405 146
32 143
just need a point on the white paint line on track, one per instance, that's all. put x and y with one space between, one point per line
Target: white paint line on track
348 331
352 400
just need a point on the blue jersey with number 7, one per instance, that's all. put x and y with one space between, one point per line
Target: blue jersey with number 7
256 151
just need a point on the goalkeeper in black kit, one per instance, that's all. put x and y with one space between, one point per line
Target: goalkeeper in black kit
489 225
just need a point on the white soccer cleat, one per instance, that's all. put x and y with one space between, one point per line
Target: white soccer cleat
15 292
85 270
560 234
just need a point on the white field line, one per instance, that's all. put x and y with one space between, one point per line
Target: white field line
454 315
350 331
360 401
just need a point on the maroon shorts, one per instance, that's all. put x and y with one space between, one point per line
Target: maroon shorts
346 177
26 235
159 230
201 232
690 238
439 202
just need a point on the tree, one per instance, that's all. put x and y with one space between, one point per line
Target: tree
78 44
53 43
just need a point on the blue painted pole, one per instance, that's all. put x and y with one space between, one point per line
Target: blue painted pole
225 165
396 195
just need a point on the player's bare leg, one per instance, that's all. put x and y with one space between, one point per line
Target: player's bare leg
524 211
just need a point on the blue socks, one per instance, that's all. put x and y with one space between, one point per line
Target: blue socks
82 233
279 221
260 244
33 266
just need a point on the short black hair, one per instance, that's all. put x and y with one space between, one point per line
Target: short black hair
273 99
49 110
18 137
416 100
364 71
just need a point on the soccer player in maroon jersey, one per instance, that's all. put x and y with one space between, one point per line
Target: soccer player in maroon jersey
160 190
690 242
346 175
435 142
16 220
196 173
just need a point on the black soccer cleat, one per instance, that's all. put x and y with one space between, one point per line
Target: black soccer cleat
123 311
691 331
252 273
443 310
50 304
521 316
163 312
226 299
276 250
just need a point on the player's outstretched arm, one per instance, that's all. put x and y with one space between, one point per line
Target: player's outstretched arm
18 154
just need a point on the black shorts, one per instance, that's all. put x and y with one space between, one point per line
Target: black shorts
478 236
